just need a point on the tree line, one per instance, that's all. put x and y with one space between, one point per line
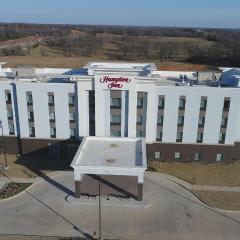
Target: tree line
130 42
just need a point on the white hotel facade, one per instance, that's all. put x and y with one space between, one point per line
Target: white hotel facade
49 111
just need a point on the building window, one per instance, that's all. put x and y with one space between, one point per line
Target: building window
224 122
201 121
161 103
115 119
180 121
71 100
8 97
139 119
53 132
140 102
159 135
226 105
115 102
157 156
203 104
30 116
197 156
72 116
160 120
199 137
139 133
222 137
219 157
29 99
52 116
177 155
51 100
72 132
179 136
115 133
182 103
10 114
11 129
32 132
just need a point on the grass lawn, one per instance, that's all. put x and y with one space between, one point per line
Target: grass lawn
202 174
29 166
223 200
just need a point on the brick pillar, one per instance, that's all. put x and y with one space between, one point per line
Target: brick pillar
77 189
140 191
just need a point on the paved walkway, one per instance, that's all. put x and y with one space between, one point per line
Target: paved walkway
183 183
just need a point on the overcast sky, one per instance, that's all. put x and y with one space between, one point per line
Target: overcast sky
186 13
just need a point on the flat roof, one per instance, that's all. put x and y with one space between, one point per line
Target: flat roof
110 152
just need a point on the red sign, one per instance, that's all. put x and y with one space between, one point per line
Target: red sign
114 82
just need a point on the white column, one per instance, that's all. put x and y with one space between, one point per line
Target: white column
83 112
152 110
213 118
233 126
102 113
124 118
132 113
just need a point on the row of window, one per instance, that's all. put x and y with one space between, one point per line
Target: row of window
179 137
116 102
51 101
52 132
197 156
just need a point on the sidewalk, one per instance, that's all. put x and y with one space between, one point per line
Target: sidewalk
28 180
183 183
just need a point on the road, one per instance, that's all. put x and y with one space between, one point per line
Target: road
171 212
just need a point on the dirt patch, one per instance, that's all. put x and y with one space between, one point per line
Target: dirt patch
223 200
20 41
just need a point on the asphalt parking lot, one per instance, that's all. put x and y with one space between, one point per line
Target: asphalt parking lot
169 212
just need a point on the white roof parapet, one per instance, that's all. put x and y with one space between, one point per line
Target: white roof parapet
120 67
110 156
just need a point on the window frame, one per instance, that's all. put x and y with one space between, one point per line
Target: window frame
177 155
54 130
51 100
219 157
114 100
157 156
115 119
179 139
199 158
52 119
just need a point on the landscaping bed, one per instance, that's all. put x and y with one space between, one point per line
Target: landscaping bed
12 189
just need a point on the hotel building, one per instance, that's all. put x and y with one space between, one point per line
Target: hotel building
49 111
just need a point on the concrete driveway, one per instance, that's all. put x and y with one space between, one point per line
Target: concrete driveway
169 212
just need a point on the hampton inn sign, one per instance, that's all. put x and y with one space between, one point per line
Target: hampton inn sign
114 82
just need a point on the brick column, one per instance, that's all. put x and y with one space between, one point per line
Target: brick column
77 189
140 191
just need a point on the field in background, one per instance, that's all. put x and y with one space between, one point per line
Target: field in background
60 61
